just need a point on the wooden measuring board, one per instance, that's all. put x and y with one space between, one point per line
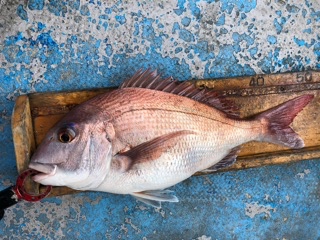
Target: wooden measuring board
34 114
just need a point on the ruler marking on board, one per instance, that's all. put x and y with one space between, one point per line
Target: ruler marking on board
264 84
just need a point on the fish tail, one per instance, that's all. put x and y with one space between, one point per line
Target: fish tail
276 122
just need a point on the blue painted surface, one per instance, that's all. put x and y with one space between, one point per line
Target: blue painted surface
64 45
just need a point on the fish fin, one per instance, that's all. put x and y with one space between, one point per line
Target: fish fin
152 80
155 197
148 151
217 101
149 202
146 79
277 120
225 162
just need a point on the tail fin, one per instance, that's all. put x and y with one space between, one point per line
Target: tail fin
277 120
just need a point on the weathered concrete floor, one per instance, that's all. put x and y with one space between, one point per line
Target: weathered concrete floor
57 45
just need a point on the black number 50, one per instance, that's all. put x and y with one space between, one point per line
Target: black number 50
304 77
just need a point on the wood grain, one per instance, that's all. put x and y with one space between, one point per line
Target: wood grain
31 121
23 138
22 131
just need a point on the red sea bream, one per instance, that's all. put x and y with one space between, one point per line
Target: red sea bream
151 134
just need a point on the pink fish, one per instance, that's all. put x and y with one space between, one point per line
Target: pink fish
151 134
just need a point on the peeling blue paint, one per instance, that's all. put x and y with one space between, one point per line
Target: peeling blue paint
227 7
41 26
46 40
22 13
223 31
195 11
277 25
74 4
315 14
136 29
244 6
186 35
84 10
35 4
302 42
307 30
225 61
185 21
203 50
105 25
121 19
272 39
109 50
181 7
178 49
221 20
253 51
278 12
104 16
57 7
291 8
242 37
175 27
148 33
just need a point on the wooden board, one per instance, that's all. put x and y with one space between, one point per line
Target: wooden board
34 114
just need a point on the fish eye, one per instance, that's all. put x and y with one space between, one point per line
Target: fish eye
66 135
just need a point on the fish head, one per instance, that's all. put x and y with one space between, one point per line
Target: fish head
76 152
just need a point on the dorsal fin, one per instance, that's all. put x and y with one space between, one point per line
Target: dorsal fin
152 80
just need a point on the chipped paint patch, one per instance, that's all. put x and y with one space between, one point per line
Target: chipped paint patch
142 207
287 198
253 209
302 174
160 211
44 216
266 197
248 195
204 237
128 221
207 180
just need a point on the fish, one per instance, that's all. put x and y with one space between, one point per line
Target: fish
152 133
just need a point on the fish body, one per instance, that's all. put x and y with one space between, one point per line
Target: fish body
151 134
207 136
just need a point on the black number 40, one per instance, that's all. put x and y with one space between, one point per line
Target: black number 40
257 81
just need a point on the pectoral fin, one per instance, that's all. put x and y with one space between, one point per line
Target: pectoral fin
155 197
148 151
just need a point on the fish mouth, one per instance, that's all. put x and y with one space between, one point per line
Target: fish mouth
45 170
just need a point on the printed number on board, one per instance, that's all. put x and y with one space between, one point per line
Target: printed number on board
304 77
256 81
